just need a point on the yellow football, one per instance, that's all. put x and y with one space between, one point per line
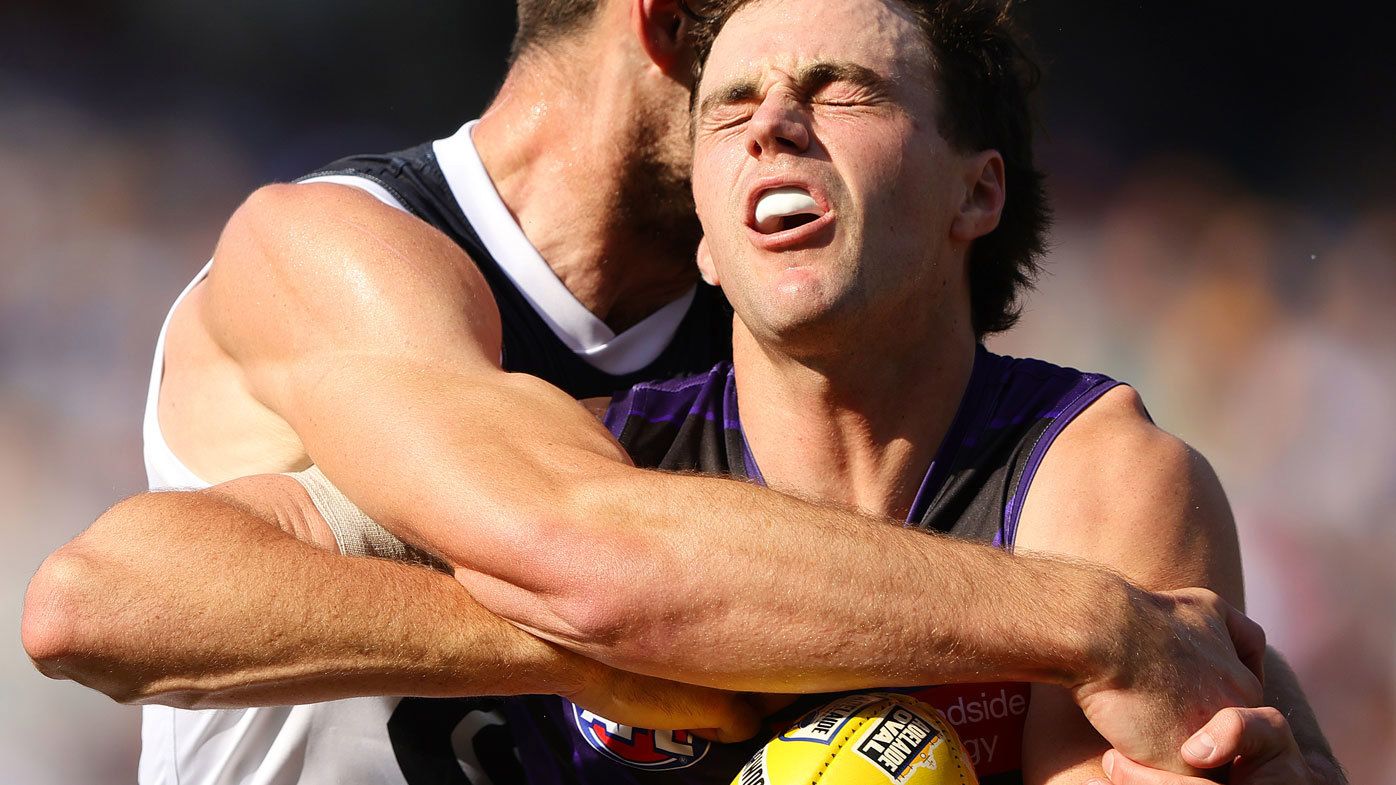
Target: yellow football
866 739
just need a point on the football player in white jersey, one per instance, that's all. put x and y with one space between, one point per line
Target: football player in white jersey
336 328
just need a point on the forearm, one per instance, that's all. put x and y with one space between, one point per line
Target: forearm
193 600
1283 692
777 594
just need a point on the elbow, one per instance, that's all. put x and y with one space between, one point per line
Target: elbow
581 563
64 635
606 574
265 205
53 627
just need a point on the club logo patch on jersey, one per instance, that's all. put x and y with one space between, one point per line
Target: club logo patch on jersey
656 750
898 743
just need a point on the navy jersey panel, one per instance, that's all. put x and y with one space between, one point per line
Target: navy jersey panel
415 179
1011 412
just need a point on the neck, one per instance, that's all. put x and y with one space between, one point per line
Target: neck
858 434
586 190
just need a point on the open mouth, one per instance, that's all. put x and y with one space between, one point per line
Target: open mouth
786 208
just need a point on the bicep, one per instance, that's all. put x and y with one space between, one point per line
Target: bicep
378 341
307 277
280 502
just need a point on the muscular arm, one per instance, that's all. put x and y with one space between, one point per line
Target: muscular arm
389 377
242 613
1117 490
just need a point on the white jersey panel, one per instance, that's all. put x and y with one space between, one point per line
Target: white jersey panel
336 743
163 470
577 327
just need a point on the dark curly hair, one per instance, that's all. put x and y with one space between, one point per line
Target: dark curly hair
986 79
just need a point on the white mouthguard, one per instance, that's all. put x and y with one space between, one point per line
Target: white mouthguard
780 203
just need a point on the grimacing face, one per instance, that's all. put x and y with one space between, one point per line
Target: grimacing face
825 190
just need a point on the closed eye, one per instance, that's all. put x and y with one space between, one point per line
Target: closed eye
725 117
730 104
843 84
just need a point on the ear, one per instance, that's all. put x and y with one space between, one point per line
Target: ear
706 268
985 191
662 29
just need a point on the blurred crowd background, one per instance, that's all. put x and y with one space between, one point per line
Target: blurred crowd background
1225 241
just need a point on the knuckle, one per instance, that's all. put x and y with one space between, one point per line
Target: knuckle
1207 597
1255 692
1271 717
1258 630
1228 725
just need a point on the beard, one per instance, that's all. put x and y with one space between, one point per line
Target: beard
656 196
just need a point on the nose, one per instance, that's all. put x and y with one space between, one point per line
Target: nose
779 126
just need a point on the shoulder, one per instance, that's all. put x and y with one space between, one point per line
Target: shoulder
597 406
1114 439
333 262
1115 488
324 229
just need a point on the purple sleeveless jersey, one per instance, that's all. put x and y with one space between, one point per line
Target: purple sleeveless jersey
1012 411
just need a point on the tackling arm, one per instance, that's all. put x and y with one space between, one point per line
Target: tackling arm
1261 746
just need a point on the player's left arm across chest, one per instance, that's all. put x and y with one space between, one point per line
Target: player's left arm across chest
1118 490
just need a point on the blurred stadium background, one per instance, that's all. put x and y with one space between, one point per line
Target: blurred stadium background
1226 241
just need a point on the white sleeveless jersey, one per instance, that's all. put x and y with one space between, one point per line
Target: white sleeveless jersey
348 742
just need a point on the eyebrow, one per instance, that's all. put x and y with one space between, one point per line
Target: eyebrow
809 78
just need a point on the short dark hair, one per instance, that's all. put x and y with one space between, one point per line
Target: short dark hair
541 21
986 79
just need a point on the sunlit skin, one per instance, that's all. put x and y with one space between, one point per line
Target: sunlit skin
834 97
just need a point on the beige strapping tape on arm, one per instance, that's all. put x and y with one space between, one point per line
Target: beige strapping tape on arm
354 532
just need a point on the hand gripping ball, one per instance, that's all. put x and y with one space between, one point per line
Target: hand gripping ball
875 738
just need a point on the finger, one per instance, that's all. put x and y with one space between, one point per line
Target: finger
1123 771
741 720
655 703
741 727
1249 640
1254 735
